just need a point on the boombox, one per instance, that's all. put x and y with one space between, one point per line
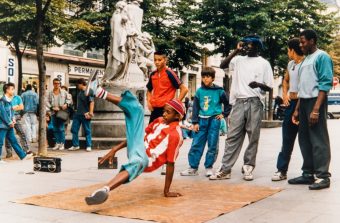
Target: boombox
47 164
107 165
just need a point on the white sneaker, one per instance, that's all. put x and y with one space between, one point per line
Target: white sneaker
56 147
209 172
88 149
2 162
73 148
28 156
92 84
247 171
163 172
220 175
61 147
279 176
189 172
98 197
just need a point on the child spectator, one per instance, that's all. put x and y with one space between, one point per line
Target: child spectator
206 118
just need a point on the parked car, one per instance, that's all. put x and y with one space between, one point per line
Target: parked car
333 104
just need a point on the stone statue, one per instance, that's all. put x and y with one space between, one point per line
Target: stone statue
128 44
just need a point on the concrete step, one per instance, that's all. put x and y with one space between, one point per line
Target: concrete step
97 142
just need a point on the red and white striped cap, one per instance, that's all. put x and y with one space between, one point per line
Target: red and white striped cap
177 105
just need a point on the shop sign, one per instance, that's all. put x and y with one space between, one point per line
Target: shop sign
11 69
84 70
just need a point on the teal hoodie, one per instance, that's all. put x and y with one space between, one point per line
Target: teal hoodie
208 102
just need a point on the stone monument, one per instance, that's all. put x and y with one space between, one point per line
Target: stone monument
130 60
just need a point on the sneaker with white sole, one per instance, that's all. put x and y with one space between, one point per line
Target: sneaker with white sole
247 171
163 172
88 149
209 172
56 147
279 176
61 147
93 84
73 148
28 156
98 197
189 172
2 162
220 175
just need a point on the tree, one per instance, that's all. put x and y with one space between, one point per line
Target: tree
334 52
177 38
52 23
16 22
96 33
225 22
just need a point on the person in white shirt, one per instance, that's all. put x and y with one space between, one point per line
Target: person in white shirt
252 76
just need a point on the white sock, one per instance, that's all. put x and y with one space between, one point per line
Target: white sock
101 93
107 188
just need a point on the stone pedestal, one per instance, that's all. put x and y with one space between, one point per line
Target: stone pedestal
109 120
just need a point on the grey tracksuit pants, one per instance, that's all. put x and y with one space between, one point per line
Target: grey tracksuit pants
245 117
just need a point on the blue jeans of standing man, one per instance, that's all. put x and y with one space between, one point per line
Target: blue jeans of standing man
289 133
208 131
9 134
86 123
58 129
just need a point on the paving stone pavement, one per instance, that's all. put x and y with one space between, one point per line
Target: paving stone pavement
79 168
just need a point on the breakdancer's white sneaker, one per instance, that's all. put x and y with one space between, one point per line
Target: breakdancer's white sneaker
98 197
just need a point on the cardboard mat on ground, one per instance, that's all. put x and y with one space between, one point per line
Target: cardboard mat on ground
143 199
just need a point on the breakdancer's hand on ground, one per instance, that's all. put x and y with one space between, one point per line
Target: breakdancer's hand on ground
173 194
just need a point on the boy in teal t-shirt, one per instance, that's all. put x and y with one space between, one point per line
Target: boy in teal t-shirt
206 118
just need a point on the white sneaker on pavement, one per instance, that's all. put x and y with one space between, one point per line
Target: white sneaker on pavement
28 156
56 147
189 172
73 148
209 172
88 149
278 176
61 147
247 171
220 175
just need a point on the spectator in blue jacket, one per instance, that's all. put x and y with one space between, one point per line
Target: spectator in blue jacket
7 122
30 100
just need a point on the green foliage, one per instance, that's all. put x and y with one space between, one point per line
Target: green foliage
225 22
16 21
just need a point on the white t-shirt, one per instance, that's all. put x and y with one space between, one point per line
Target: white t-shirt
245 70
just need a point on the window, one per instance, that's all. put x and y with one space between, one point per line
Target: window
96 54
70 49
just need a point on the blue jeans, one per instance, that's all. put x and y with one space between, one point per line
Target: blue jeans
58 129
9 134
187 133
289 133
208 131
86 123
